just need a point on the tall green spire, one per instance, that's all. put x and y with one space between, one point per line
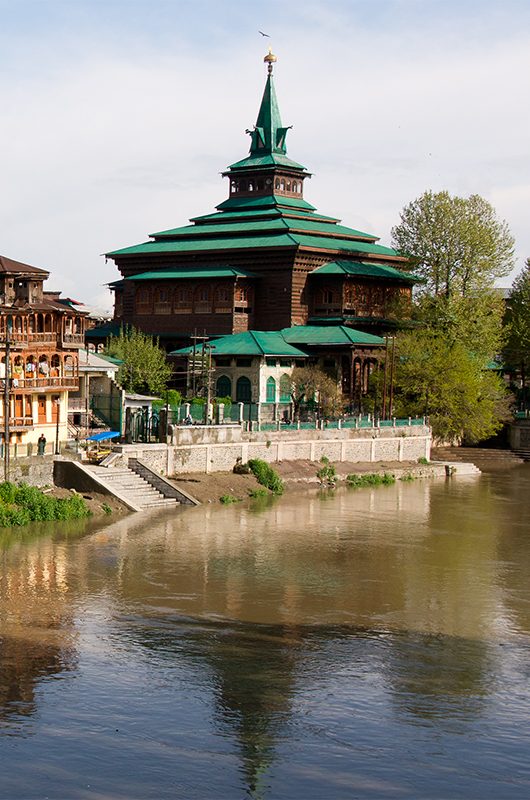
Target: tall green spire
269 135
267 139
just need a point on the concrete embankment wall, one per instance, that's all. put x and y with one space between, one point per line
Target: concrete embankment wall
35 470
216 449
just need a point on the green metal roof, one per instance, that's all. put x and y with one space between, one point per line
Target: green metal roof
364 269
280 223
264 201
256 242
111 328
250 343
212 271
272 160
189 245
322 335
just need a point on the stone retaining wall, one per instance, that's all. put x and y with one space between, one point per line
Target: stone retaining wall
372 445
35 470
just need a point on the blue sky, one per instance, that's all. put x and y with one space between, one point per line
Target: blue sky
117 117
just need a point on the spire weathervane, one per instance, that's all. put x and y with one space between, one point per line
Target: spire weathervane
270 59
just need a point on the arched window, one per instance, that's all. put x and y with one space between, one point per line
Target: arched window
69 366
183 303
162 300
277 184
143 300
243 390
271 390
223 387
241 294
55 366
285 389
203 299
223 299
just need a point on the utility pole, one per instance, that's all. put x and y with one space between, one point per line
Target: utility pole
58 405
392 363
383 411
6 401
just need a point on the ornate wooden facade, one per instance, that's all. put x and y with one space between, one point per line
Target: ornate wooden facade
264 260
41 338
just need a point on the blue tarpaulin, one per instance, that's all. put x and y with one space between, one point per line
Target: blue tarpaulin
100 437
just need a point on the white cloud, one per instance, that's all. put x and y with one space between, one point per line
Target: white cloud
102 146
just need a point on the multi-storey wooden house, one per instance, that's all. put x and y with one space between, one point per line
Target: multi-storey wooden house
39 342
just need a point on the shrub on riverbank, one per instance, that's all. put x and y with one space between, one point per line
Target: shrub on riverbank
371 479
228 499
266 475
20 505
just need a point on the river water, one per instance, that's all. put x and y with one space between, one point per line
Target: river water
360 644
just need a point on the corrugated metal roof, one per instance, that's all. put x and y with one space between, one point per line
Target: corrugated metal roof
190 245
274 159
264 201
250 343
193 273
363 268
251 242
319 335
243 226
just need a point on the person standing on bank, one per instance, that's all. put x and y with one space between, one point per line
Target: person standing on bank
41 444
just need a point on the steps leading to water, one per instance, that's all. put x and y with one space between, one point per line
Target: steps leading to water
482 457
132 487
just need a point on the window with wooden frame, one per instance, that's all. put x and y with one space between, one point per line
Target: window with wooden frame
223 299
203 299
162 304
183 299
242 299
143 300
328 300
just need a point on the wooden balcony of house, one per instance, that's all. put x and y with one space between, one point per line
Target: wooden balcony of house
43 383
42 337
73 340
20 423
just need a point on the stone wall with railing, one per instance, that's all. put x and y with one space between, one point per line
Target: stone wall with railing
217 448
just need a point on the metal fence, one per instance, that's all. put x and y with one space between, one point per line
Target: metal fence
251 415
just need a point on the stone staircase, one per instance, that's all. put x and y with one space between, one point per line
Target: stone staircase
126 484
482 457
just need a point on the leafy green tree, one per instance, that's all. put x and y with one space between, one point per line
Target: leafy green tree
456 244
517 322
447 382
312 384
474 320
144 368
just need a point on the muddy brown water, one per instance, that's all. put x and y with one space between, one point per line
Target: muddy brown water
355 644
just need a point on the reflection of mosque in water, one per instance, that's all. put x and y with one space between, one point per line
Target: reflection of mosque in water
262 607
286 598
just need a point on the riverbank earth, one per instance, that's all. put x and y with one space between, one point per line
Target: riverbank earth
295 475
99 505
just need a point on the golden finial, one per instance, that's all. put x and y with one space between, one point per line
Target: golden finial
270 59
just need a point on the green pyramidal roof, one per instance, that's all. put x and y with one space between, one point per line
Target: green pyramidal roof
267 216
250 343
267 139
